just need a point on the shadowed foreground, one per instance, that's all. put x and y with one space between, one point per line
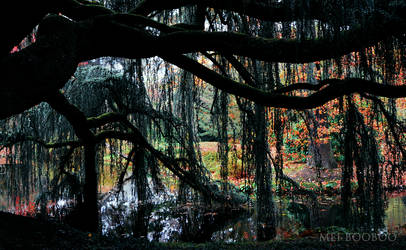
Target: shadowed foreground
18 232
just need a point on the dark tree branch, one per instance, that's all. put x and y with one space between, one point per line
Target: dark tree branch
101 120
276 12
23 138
37 71
79 123
391 122
245 75
172 164
301 86
75 117
121 181
104 35
335 88
26 14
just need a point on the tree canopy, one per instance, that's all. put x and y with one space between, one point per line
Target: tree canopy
74 31
79 77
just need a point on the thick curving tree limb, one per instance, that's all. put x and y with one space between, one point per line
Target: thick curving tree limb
37 71
15 139
133 135
80 124
334 88
113 35
208 190
32 74
26 14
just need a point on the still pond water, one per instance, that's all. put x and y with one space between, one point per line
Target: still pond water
168 221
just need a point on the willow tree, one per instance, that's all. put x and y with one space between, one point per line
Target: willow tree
68 32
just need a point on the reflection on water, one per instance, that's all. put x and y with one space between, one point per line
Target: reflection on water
395 219
169 221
